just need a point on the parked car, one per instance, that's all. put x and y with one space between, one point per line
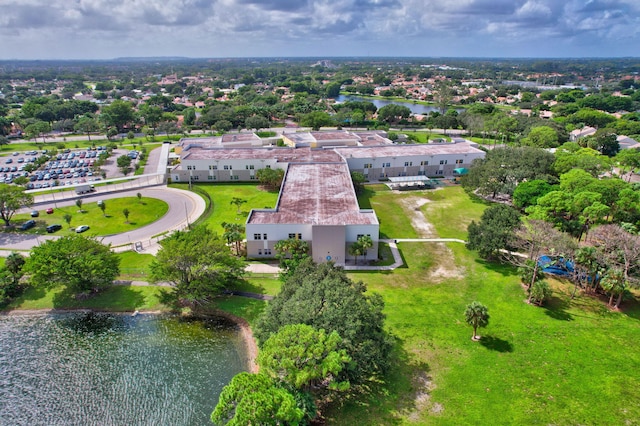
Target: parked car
81 228
35 213
28 225
50 210
53 228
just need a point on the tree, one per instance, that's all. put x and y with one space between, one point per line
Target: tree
67 218
233 234
79 263
540 293
119 114
323 297
103 207
291 253
476 315
126 213
139 195
14 264
271 178
256 122
358 180
12 198
527 193
198 263
316 120
355 250
237 201
393 113
255 399
494 232
87 125
124 162
542 137
79 205
303 357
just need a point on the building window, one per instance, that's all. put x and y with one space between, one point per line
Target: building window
268 166
196 177
440 172
259 252
420 172
386 165
368 166
235 177
252 177
362 235
424 163
267 252
177 178
249 167
211 177
443 161
264 236
459 161
257 236
191 168
403 173
213 167
383 175
295 236
408 163
228 167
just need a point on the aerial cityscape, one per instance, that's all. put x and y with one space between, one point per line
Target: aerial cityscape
304 213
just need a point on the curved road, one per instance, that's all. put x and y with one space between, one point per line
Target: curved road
184 208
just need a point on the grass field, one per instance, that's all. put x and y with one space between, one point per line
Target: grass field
572 362
141 212
222 209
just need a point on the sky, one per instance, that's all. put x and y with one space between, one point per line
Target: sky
106 29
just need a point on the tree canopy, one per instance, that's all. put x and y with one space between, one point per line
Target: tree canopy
12 198
323 297
81 264
198 262
494 232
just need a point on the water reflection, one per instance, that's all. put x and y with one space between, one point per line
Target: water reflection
106 369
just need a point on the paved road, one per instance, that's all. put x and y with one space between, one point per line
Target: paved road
184 208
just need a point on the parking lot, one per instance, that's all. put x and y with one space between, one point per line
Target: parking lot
66 168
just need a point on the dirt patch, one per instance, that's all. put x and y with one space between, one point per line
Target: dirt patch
422 398
412 206
445 268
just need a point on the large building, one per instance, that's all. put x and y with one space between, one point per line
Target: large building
317 201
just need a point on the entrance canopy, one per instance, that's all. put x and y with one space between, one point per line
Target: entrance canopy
461 171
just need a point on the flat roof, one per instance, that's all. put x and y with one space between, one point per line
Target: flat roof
280 154
409 149
318 194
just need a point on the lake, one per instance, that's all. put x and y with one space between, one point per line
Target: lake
379 103
114 369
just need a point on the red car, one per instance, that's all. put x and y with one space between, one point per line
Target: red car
50 210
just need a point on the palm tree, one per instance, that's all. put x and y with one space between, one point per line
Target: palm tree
356 250
366 243
615 284
238 202
476 315
233 234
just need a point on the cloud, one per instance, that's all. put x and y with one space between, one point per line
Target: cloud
303 27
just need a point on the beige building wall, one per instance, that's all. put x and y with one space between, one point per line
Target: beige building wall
328 244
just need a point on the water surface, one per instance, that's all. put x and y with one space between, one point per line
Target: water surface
111 369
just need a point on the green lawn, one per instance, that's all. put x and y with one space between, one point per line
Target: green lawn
134 266
141 212
573 362
221 196
119 298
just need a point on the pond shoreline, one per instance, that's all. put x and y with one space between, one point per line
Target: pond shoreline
251 347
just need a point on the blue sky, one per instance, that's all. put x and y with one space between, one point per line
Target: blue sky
104 29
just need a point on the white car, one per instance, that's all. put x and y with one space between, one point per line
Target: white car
82 228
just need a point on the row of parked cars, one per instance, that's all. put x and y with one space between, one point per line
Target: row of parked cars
51 228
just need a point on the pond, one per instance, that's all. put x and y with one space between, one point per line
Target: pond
112 369
379 103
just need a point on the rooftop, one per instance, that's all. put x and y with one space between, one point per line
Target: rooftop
280 154
410 149
319 194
